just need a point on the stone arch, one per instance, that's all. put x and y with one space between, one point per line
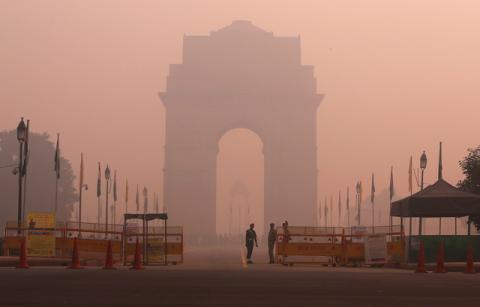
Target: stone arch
240 77
240 182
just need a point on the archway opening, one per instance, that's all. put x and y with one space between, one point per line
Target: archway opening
240 183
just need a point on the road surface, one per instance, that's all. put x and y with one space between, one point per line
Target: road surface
221 279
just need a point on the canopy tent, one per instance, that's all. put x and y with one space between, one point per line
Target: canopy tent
440 199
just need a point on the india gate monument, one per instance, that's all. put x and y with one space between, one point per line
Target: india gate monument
240 76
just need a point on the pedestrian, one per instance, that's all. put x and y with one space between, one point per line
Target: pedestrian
250 239
272 238
286 239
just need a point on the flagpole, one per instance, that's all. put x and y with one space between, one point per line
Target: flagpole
325 212
126 197
373 217
24 170
348 207
372 198
80 198
339 208
99 210
392 191
440 176
107 181
56 196
356 202
57 172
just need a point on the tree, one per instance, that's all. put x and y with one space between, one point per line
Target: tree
470 166
40 183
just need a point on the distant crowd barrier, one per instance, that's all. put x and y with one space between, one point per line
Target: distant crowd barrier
160 247
340 246
93 240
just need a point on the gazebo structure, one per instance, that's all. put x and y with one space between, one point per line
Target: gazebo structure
440 200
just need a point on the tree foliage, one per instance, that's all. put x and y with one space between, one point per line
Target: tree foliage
470 166
40 182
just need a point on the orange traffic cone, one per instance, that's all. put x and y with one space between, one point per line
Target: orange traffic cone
23 256
469 269
441 259
75 256
421 260
109 258
137 261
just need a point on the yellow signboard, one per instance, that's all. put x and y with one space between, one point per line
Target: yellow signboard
40 220
307 249
156 250
41 235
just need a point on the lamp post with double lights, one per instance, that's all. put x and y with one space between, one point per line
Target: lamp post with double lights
107 179
423 166
21 136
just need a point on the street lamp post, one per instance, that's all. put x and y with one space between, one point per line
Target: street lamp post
359 201
423 166
82 186
21 135
107 178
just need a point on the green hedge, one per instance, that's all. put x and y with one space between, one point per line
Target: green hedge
455 247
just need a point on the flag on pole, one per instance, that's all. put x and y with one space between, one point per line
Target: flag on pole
145 200
319 209
348 198
325 211
81 171
372 195
26 152
440 163
410 176
392 187
331 210
115 186
137 200
361 192
57 157
339 206
126 193
99 181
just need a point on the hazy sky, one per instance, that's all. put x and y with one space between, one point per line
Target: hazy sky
399 76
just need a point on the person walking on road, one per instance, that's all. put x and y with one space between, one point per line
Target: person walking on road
272 238
250 239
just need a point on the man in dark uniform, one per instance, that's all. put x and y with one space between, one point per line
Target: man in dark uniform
250 239
272 238
286 239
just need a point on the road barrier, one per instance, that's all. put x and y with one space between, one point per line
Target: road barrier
92 241
339 246
159 248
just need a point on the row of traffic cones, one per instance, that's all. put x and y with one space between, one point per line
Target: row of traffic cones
75 265
440 268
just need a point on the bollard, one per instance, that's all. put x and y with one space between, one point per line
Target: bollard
421 260
109 258
23 256
441 259
470 268
75 256
137 262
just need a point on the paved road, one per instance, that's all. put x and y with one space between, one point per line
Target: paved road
209 281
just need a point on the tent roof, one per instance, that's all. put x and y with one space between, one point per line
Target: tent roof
440 199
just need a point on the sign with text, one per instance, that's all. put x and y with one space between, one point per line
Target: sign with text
41 235
375 249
